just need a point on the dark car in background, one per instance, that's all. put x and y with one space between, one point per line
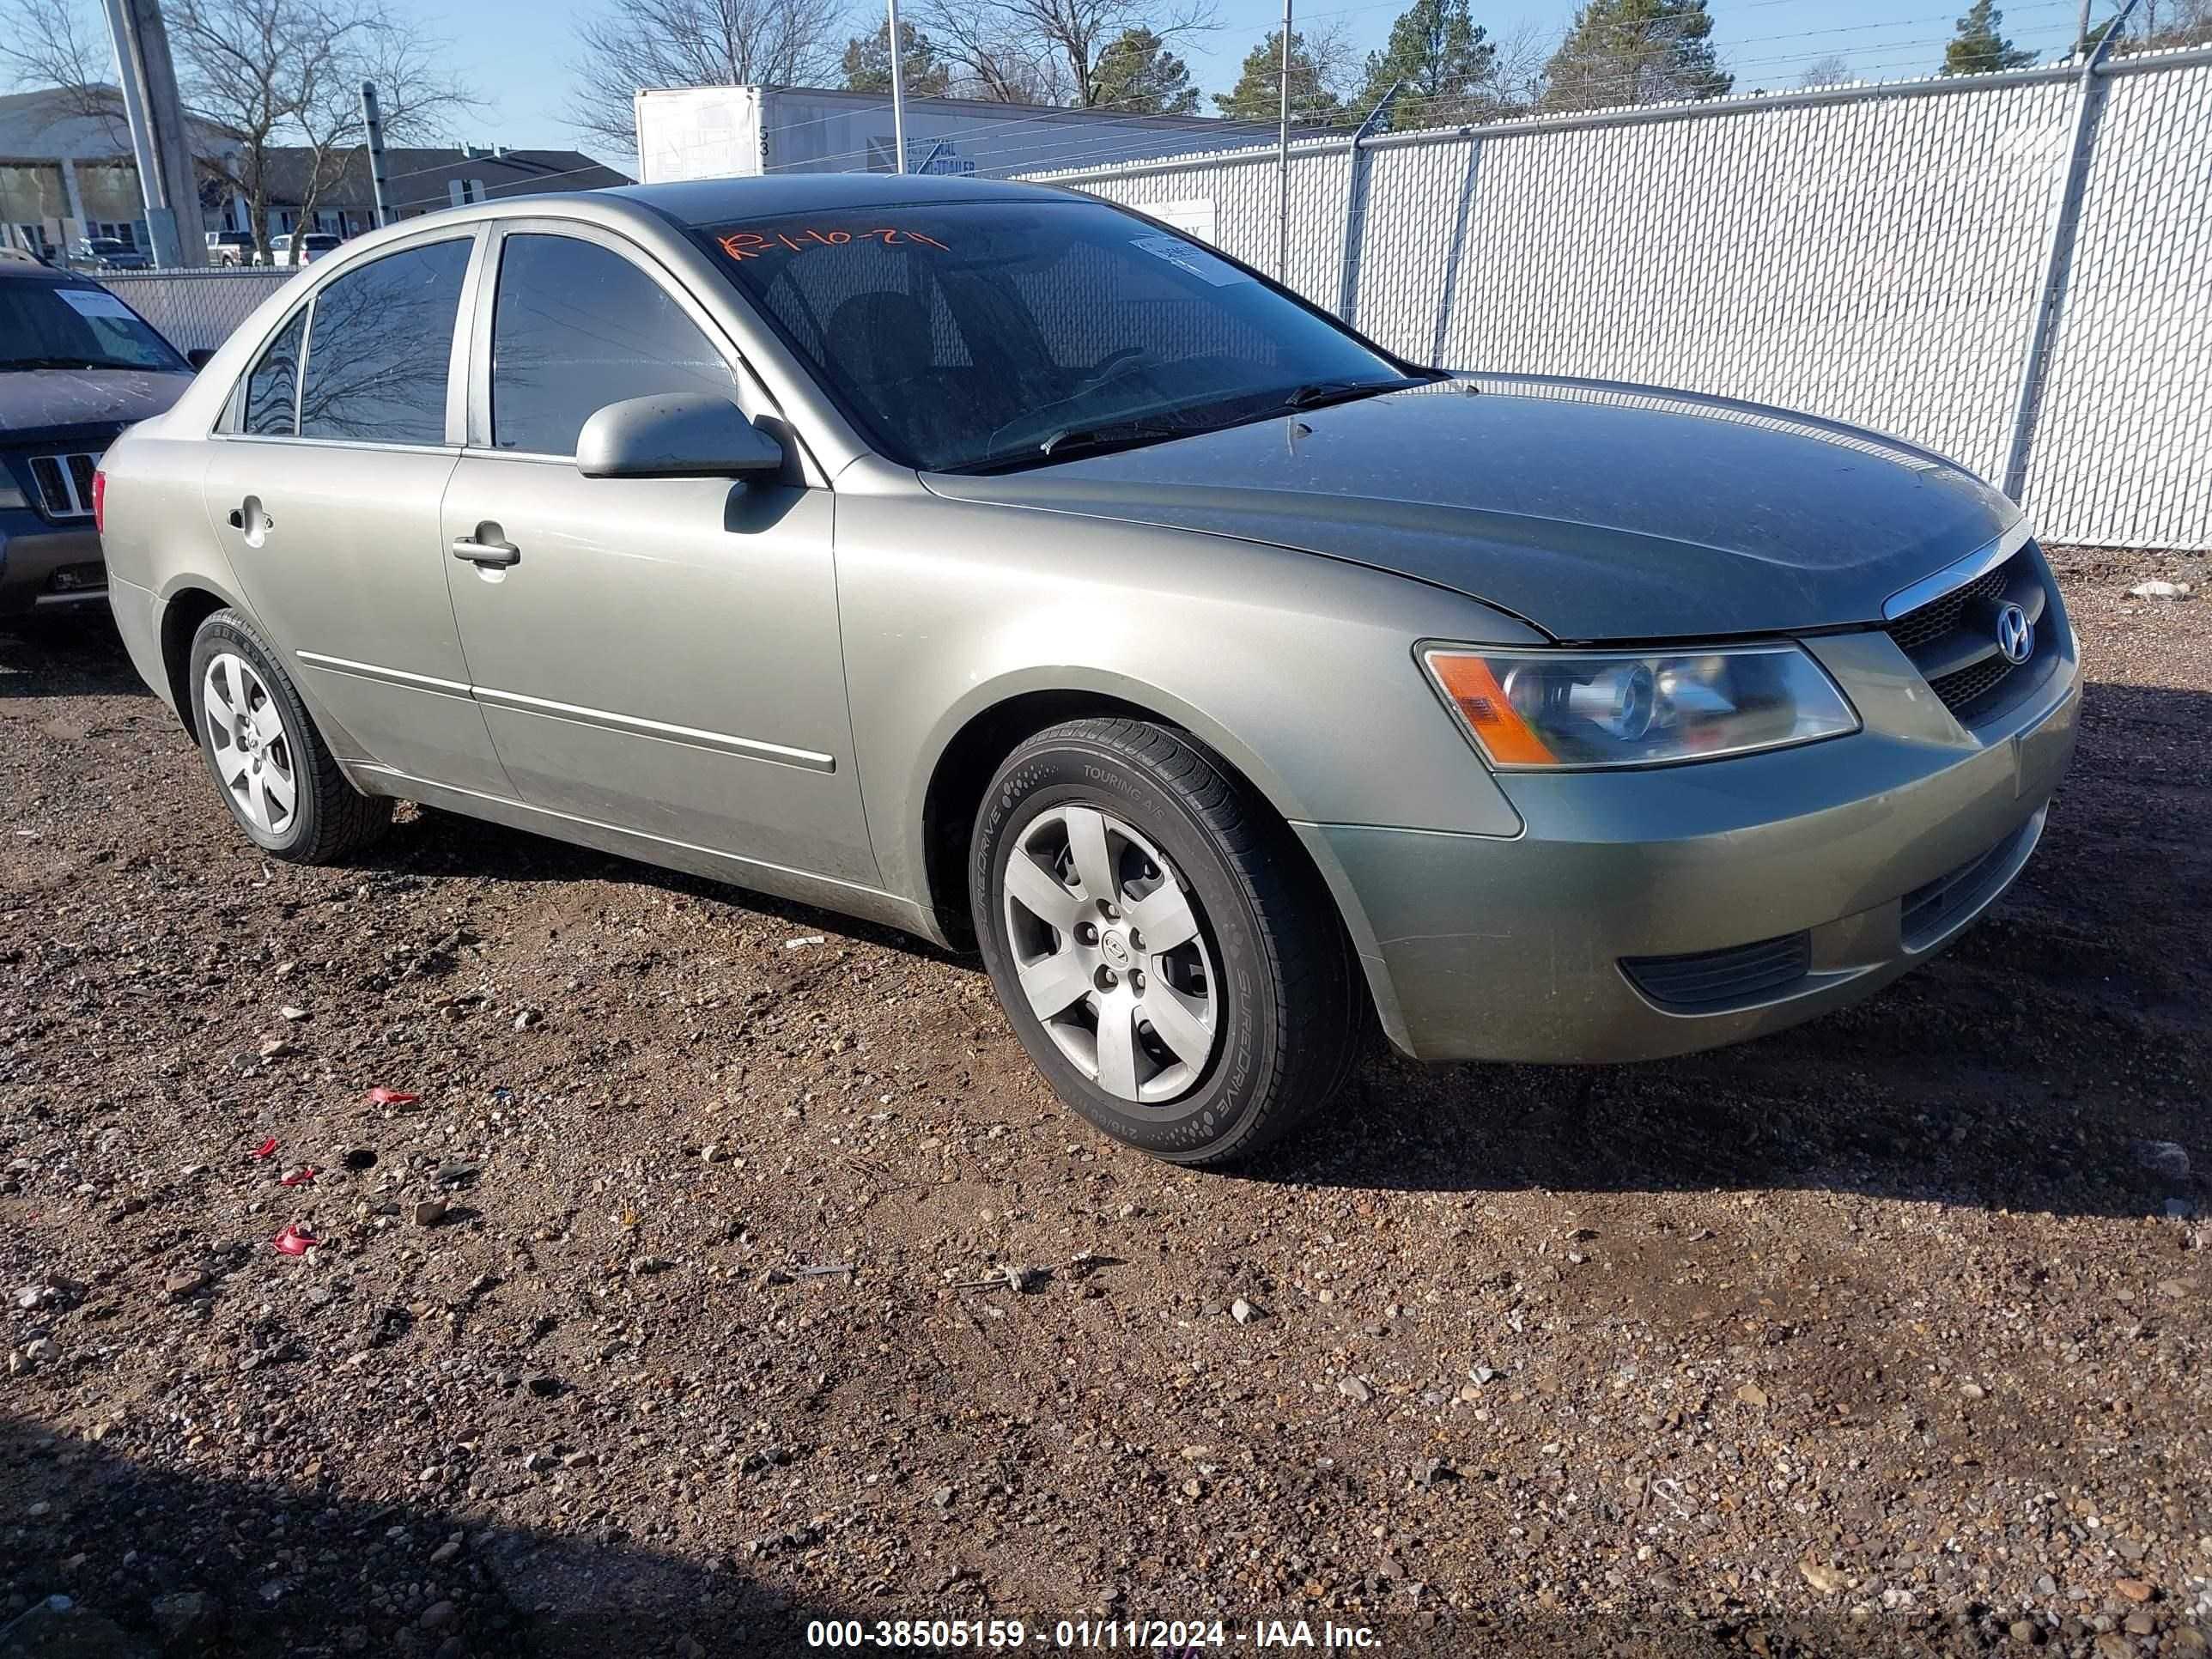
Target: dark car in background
111 254
76 366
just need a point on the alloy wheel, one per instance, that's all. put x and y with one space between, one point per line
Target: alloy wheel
253 754
1110 954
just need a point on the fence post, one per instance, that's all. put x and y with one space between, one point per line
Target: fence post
2058 259
1355 208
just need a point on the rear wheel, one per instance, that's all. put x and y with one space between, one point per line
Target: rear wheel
269 764
1167 956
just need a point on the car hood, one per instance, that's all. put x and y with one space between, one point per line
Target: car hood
44 403
1595 511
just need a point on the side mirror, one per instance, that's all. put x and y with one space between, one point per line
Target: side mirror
200 356
675 435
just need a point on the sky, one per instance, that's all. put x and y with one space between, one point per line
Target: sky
518 52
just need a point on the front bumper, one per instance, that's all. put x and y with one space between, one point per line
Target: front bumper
42 567
1877 849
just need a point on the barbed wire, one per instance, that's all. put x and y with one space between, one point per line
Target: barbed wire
1318 113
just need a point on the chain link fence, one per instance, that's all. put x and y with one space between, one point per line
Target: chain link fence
1907 257
195 308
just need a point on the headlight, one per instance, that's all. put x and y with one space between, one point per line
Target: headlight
11 497
1575 709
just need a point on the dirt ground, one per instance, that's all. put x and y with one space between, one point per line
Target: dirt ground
1888 1334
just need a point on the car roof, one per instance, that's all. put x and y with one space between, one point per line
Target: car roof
719 201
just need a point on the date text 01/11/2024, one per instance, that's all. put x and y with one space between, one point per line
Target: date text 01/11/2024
1182 1638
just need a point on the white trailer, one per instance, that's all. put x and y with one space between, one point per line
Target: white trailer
721 132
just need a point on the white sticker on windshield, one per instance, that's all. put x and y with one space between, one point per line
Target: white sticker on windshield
1183 256
94 302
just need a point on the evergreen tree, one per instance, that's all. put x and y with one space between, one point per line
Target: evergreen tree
1137 75
1257 96
868 63
1978 47
1635 51
1441 58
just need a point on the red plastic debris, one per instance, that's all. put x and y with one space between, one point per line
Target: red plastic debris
298 1177
295 1240
267 1148
380 1095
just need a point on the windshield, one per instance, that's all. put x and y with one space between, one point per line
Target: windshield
994 335
46 325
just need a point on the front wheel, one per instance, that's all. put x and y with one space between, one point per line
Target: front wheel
1169 959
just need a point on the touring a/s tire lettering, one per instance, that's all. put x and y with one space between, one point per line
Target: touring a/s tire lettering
1094 830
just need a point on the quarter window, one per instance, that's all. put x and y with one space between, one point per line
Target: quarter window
575 327
380 346
270 387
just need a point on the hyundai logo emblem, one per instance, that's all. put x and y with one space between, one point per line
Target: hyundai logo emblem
2015 634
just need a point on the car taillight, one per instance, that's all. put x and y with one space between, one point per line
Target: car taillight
99 503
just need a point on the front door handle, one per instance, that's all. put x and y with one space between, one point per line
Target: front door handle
486 547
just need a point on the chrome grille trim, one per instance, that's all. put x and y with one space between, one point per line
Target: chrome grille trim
1958 574
64 484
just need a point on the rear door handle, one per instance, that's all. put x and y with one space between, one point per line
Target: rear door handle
495 553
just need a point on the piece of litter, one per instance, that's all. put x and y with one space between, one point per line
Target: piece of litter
299 1177
380 1095
267 1148
294 1240
810 939
2160 589
823 1271
289 1011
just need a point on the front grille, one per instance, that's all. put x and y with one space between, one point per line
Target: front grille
1932 910
1969 684
64 485
1712 979
1918 630
1952 640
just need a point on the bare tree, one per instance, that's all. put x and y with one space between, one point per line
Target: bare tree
2169 23
1047 52
264 81
697 43
63 46
1516 71
283 77
1832 70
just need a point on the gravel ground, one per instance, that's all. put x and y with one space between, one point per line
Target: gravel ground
1888 1334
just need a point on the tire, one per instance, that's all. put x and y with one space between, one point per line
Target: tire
1238 1033
233 671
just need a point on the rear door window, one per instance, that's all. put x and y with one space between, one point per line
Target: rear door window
381 347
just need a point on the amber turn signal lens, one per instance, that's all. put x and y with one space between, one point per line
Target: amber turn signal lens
1482 703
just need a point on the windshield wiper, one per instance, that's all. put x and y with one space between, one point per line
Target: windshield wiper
10 363
1082 440
1315 393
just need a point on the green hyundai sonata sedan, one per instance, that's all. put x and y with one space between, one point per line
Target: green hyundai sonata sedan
1002 566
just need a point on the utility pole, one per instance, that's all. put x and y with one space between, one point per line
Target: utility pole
160 143
1283 163
2058 254
372 121
899 89
2081 31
